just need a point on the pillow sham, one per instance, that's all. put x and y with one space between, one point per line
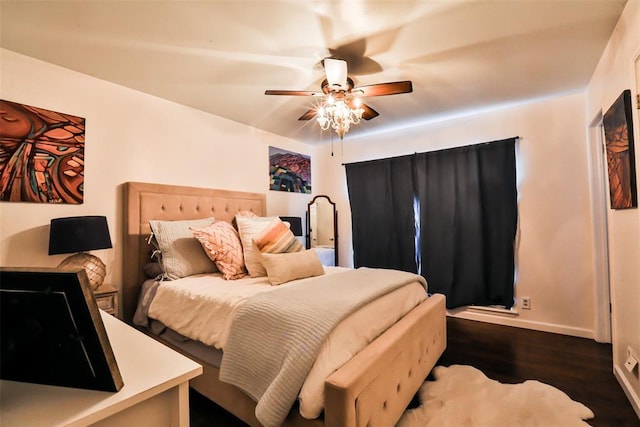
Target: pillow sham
247 214
248 228
285 267
181 254
277 238
152 269
221 243
243 214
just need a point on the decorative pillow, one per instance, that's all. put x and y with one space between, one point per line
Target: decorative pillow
248 228
282 268
152 269
247 214
181 254
221 243
277 238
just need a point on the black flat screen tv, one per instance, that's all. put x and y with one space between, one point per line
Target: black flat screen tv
51 331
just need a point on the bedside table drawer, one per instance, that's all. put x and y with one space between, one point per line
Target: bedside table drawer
107 299
107 303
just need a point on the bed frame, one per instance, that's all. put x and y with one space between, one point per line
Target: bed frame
372 389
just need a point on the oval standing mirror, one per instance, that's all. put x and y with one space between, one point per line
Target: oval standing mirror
322 229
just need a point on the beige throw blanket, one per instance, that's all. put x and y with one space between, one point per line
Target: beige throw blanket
276 336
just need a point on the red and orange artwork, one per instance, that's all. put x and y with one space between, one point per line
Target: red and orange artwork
618 133
41 155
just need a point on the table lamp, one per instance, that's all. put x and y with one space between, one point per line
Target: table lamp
78 234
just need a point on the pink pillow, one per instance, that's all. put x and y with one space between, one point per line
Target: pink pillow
221 243
247 214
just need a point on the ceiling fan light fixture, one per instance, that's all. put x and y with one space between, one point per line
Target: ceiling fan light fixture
340 105
336 72
339 116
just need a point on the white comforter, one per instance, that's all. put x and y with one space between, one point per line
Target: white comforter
202 308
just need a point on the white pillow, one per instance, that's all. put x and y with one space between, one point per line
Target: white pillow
249 228
181 253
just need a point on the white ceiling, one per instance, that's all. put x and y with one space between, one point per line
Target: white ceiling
220 56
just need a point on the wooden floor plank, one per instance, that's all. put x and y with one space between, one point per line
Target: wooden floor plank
580 367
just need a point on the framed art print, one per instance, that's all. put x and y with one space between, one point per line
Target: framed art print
289 171
52 331
41 155
618 131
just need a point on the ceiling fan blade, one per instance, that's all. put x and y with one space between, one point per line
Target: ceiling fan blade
380 89
293 92
369 113
308 115
336 72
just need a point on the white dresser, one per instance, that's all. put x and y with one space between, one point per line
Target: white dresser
155 392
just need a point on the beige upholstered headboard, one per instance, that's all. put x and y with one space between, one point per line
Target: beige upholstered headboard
144 201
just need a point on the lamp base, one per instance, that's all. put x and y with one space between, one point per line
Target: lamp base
95 268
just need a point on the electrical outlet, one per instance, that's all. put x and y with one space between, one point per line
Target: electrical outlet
632 361
526 303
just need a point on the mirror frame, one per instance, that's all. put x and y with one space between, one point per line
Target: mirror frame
335 224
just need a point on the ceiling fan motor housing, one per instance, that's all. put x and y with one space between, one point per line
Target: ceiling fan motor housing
327 88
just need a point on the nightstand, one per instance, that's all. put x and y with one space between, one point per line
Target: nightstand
107 299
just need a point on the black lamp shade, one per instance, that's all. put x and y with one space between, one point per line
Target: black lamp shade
78 234
296 224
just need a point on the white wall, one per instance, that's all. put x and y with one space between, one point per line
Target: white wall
130 136
613 75
554 254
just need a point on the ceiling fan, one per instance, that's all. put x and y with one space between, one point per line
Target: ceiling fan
341 104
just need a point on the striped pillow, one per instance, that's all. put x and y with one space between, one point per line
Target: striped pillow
276 238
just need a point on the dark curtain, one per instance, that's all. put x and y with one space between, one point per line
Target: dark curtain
383 224
468 217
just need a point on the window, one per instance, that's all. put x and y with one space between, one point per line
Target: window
450 215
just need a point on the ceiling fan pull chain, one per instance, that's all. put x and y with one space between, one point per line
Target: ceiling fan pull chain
331 133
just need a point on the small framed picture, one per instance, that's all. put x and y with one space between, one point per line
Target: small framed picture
289 171
52 331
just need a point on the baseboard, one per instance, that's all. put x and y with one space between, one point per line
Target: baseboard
628 390
511 320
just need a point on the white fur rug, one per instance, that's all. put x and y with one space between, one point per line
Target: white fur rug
462 396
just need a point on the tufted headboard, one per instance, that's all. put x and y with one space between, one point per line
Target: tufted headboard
144 201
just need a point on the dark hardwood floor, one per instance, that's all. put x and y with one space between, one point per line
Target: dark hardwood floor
580 367
204 413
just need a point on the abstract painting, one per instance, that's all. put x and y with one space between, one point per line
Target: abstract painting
289 171
618 133
41 155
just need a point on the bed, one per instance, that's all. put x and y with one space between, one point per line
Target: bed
371 389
